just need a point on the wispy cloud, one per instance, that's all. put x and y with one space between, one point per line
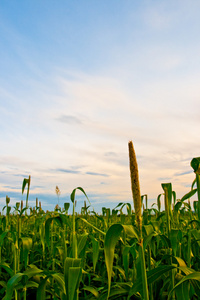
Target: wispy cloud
69 119
10 187
97 174
67 171
164 179
183 173
110 154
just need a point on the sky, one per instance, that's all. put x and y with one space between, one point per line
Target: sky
79 79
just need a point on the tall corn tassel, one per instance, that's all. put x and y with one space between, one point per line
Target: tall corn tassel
135 186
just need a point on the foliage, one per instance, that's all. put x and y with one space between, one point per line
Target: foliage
54 255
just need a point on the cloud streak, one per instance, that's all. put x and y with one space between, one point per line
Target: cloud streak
96 174
183 173
67 171
69 119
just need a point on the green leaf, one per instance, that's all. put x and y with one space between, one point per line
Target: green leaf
73 281
130 231
2 236
64 220
125 256
74 191
165 240
47 230
69 264
7 268
59 278
81 242
173 239
174 196
152 276
191 276
32 271
156 273
66 206
195 164
195 205
26 246
91 225
92 290
95 251
23 210
188 195
148 229
148 238
161 215
182 291
180 261
112 236
41 291
116 293
11 284
58 220
168 187
193 183
118 205
25 182
177 206
159 202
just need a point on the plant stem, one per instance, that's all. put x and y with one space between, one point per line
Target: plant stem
74 240
143 272
198 193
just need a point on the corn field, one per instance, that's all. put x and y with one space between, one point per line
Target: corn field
123 253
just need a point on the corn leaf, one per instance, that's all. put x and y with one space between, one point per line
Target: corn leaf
112 236
69 264
25 182
11 284
188 195
81 242
41 291
74 277
92 290
72 196
95 251
191 276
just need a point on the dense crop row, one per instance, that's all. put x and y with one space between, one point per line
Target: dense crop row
53 255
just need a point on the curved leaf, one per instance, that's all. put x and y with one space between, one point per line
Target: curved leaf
191 276
188 195
72 196
112 236
11 284
92 290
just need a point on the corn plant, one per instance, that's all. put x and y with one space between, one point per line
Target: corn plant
116 254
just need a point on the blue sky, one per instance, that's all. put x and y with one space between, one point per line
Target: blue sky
79 79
